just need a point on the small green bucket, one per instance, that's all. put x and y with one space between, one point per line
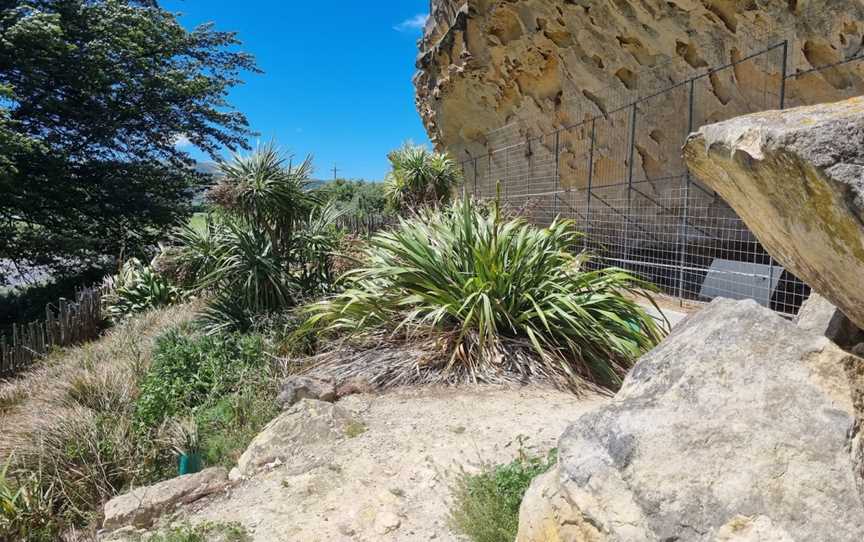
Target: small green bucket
189 464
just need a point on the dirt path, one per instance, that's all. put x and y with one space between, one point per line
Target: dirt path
391 482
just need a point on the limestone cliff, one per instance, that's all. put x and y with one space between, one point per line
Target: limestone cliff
545 64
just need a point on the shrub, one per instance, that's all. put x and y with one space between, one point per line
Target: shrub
83 459
205 532
187 372
228 425
419 177
501 295
136 288
358 199
285 334
486 505
72 440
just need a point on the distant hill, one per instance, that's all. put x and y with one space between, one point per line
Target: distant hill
206 167
315 184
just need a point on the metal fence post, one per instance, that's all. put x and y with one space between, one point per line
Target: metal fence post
505 182
493 188
630 168
682 230
557 173
475 177
590 180
530 174
783 74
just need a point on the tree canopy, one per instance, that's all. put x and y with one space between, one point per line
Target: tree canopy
94 97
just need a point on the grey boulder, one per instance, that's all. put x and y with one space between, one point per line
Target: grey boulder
739 426
297 438
141 507
818 315
295 388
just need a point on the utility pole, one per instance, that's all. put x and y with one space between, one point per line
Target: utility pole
335 171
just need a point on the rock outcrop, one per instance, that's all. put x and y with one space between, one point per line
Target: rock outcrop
796 178
295 388
296 435
546 64
141 507
739 426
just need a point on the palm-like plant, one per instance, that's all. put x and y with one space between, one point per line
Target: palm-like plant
497 289
267 247
193 252
250 266
265 187
419 177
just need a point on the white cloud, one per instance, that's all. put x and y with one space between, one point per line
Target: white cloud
416 22
181 141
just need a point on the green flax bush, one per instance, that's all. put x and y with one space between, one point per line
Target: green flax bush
501 294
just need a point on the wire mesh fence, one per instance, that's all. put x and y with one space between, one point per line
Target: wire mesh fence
621 177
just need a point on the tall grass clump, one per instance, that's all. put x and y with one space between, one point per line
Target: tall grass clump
503 299
70 442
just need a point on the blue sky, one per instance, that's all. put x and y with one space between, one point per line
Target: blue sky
337 75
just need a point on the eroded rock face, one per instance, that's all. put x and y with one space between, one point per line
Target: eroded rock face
547 64
740 426
796 178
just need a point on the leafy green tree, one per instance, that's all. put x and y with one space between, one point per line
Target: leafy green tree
94 97
371 199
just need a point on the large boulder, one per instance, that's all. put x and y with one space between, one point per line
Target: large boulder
739 426
141 507
796 178
299 435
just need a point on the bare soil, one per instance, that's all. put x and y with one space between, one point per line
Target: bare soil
391 479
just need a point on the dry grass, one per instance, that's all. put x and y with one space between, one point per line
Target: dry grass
386 361
125 348
68 420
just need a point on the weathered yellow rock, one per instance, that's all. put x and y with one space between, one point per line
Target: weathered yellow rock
548 516
546 64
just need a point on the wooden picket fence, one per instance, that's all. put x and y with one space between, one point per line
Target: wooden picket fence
67 322
365 225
